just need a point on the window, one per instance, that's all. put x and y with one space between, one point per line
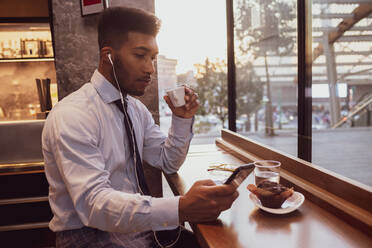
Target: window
192 48
267 90
342 88
266 71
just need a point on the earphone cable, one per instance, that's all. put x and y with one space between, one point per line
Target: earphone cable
130 127
135 159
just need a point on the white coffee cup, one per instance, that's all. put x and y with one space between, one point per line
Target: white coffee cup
177 96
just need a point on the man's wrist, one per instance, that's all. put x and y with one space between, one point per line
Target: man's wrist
181 214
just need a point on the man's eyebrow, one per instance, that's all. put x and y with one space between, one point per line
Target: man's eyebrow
142 48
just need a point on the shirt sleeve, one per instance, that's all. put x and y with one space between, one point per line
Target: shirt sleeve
74 141
167 153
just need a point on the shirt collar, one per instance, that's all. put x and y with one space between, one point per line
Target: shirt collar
104 88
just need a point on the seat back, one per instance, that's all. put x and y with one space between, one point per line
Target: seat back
20 141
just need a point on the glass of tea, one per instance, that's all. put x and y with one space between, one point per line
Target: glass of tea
266 170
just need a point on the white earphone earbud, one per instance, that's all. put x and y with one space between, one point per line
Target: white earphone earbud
109 57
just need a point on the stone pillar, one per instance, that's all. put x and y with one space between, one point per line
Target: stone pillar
77 52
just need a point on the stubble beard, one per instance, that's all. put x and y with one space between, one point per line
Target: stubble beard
122 76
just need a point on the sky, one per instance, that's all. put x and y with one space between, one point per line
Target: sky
191 31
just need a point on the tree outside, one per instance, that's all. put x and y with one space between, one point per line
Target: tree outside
261 29
249 93
211 86
212 89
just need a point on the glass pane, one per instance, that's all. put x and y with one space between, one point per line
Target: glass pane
192 50
26 54
266 71
342 89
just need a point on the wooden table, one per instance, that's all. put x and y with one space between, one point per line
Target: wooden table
244 225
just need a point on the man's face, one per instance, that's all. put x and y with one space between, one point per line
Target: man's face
134 63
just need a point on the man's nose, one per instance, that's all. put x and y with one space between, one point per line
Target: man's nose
150 66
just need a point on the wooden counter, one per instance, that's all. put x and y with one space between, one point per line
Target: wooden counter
244 225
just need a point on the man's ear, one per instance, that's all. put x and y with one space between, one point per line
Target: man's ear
104 53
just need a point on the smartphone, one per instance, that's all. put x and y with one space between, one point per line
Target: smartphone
239 174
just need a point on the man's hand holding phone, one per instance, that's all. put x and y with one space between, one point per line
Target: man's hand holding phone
205 201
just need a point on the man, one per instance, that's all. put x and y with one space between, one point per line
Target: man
95 139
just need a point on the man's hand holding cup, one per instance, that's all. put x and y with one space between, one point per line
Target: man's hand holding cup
183 101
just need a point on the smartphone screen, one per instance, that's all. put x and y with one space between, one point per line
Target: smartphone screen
239 174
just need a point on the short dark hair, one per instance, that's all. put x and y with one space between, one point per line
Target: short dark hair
115 23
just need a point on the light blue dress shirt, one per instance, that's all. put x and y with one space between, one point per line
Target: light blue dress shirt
89 167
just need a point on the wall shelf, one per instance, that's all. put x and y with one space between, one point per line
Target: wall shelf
26 60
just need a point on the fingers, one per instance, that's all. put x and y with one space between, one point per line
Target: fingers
216 190
192 106
191 98
188 90
169 102
225 203
222 190
206 182
192 101
235 195
205 201
223 196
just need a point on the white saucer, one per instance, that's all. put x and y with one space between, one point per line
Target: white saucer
291 204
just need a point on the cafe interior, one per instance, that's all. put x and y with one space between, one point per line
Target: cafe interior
291 83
